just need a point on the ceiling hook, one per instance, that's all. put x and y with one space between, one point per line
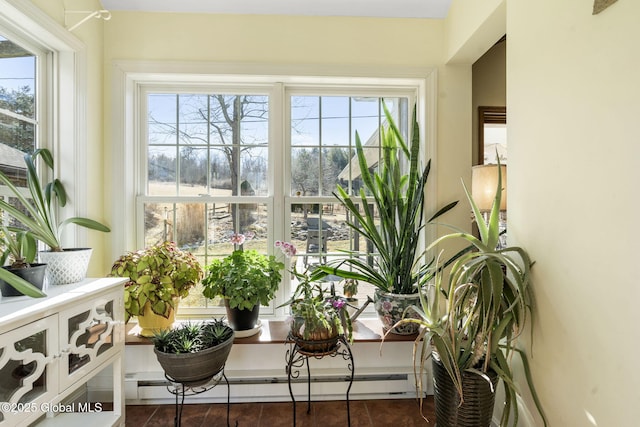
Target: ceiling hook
103 14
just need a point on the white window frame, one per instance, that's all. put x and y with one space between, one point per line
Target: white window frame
62 105
131 80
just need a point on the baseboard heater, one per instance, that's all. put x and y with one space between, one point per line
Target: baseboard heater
279 380
276 388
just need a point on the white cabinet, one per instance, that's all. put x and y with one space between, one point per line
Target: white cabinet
51 347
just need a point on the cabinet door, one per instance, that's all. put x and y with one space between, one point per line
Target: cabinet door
28 370
90 332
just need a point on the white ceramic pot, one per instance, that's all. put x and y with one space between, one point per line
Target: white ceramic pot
68 266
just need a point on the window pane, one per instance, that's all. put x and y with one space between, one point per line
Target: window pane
161 179
162 116
305 120
367 114
193 113
335 120
305 171
253 171
327 159
17 106
193 171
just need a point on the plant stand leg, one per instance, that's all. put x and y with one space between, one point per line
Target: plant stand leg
177 420
228 397
348 356
308 386
291 362
296 359
182 389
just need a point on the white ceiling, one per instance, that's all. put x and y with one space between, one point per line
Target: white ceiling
368 8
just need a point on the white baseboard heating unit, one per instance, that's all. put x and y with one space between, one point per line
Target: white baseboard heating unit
151 388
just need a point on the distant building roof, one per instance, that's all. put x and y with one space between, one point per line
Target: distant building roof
371 154
11 157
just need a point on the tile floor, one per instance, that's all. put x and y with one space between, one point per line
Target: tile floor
378 413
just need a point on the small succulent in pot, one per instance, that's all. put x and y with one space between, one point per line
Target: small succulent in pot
192 337
193 353
158 275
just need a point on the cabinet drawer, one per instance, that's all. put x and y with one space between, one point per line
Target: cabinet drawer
90 332
28 370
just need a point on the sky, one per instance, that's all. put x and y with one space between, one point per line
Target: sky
17 72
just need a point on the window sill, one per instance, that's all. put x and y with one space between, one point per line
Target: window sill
276 331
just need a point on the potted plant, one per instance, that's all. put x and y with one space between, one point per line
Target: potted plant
318 316
389 213
349 290
22 276
159 276
192 353
471 331
245 280
38 214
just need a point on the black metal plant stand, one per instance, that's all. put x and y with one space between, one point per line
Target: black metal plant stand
180 390
297 357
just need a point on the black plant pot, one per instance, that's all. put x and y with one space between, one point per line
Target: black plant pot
33 274
479 397
240 319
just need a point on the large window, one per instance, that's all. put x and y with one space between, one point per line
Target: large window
17 96
18 109
220 157
42 91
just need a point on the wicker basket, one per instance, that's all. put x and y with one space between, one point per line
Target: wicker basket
477 409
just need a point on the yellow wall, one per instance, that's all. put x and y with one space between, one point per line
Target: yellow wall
572 96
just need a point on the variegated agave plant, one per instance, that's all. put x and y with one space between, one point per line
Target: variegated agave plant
474 322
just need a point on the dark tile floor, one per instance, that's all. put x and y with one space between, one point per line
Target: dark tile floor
378 413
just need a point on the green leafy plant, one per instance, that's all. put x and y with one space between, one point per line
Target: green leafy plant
192 337
244 278
389 213
475 325
19 248
39 215
157 275
317 307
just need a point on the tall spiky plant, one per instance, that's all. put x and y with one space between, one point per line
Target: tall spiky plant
41 217
476 327
398 197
